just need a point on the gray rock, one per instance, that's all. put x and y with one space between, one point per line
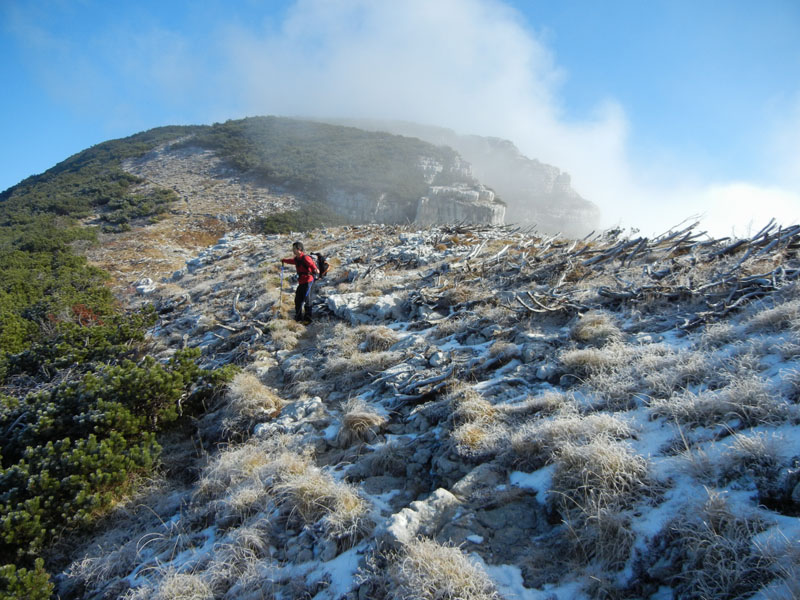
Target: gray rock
483 476
546 371
328 550
145 286
421 518
438 359
304 555
796 494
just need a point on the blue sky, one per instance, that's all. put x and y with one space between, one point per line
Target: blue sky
658 109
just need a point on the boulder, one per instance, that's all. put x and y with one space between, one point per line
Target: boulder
420 518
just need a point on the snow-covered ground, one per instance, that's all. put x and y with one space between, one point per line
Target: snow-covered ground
609 418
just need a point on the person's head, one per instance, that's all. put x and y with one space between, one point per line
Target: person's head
297 248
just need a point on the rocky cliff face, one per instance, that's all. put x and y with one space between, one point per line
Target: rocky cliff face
459 204
536 194
197 174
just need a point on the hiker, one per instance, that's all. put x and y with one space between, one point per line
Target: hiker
306 272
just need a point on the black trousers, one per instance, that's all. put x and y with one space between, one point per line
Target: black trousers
302 297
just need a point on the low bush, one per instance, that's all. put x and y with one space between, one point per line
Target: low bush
69 452
25 584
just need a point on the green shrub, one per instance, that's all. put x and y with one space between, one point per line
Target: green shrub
70 451
312 216
315 158
25 584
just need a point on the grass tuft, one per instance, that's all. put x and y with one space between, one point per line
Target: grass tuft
597 328
427 570
746 402
360 423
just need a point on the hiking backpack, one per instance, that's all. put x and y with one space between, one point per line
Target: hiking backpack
321 262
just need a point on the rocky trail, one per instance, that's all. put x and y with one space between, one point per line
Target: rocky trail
546 418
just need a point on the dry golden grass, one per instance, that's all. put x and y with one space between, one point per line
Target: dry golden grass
503 351
427 570
777 318
593 488
250 398
475 438
747 401
467 405
756 455
360 423
536 443
355 368
597 328
601 473
252 465
545 404
285 333
586 361
315 496
461 293
390 458
667 373
719 334
597 531
173 586
379 339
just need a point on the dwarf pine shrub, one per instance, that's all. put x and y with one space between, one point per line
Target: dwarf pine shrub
70 451
25 584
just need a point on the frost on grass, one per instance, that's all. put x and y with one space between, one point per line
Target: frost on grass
746 402
251 398
777 318
537 442
474 421
285 333
240 482
173 586
360 423
314 496
426 570
597 328
379 339
714 554
594 486
757 456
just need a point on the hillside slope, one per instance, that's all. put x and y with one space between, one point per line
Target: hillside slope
476 413
537 194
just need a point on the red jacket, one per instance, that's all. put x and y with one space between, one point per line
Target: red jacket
305 267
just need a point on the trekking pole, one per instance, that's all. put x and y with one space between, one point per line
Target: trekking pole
280 302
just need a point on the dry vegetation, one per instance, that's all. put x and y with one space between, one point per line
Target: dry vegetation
426 570
580 385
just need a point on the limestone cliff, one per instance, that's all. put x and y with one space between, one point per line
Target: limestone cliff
536 194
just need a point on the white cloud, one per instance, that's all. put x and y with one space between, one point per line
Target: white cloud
471 65
785 143
741 209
